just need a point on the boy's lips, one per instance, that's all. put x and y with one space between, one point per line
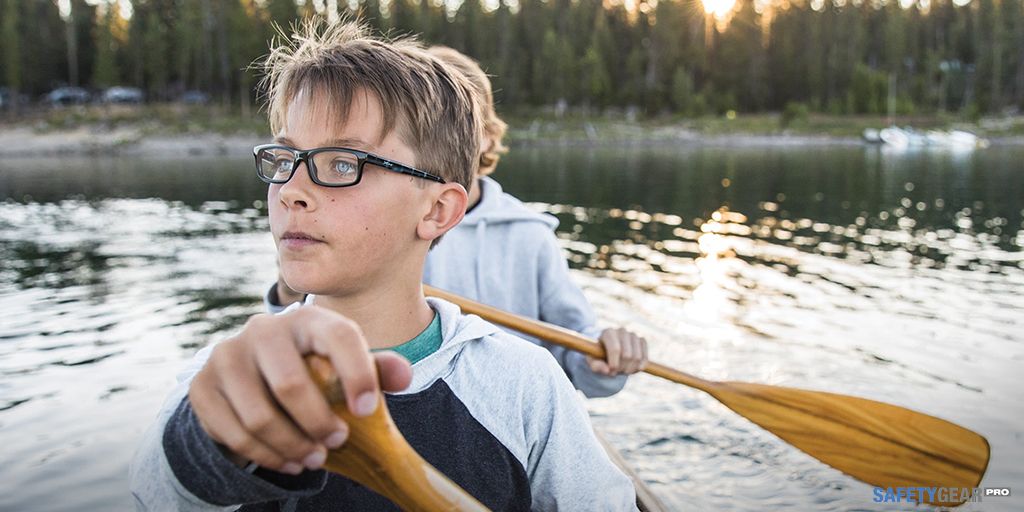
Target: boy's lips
298 240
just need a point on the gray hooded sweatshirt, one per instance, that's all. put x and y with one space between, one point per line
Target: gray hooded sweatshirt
491 411
506 256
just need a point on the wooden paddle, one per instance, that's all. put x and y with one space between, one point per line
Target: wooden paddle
877 443
377 456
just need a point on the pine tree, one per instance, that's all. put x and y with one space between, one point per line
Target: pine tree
105 70
11 49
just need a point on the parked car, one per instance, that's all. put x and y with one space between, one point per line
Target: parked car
194 98
121 94
67 96
9 99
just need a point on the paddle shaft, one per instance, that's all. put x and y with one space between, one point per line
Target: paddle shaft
560 336
378 456
878 443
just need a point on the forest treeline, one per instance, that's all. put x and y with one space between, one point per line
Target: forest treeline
651 57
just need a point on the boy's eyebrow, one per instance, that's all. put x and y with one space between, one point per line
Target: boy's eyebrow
345 143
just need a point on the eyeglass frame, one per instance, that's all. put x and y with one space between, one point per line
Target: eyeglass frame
362 157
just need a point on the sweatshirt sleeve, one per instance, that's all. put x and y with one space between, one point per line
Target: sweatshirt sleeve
177 466
566 463
563 303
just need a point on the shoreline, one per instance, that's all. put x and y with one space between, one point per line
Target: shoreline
131 141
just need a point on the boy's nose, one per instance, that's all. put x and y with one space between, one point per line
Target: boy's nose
297 192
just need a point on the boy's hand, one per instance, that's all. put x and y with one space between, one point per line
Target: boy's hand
625 352
255 397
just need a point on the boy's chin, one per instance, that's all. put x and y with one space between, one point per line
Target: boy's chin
300 277
310 281
309 288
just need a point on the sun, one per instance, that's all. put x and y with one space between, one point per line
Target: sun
719 8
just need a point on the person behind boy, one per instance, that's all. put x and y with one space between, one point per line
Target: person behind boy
375 143
507 256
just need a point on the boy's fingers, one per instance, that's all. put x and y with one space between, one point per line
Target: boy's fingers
250 400
289 381
216 416
646 359
612 349
639 359
628 357
598 366
631 346
231 434
636 352
394 371
341 341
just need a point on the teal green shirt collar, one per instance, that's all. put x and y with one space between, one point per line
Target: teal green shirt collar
424 344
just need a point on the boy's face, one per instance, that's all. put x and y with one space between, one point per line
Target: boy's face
337 241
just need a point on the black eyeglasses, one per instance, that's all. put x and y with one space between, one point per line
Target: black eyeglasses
329 167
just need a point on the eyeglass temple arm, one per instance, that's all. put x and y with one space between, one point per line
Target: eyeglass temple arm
395 167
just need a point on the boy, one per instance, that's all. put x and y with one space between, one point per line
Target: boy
375 142
506 256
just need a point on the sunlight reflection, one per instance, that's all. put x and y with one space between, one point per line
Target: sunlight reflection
718 266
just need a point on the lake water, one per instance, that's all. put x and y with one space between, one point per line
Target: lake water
893 276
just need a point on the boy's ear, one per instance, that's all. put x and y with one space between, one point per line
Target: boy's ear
447 210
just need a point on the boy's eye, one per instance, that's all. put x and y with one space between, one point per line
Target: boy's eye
280 165
338 169
283 164
341 166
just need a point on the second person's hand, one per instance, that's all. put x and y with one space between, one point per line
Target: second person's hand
625 353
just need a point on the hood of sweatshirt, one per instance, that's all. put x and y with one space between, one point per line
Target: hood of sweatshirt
496 207
469 246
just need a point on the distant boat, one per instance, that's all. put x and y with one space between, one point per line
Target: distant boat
905 138
901 138
960 138
898 138
871 135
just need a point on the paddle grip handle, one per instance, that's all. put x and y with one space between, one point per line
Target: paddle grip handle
378 456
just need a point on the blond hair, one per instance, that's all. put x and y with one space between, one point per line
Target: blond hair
494 127
428 104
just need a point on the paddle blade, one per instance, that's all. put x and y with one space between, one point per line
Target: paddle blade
880 444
